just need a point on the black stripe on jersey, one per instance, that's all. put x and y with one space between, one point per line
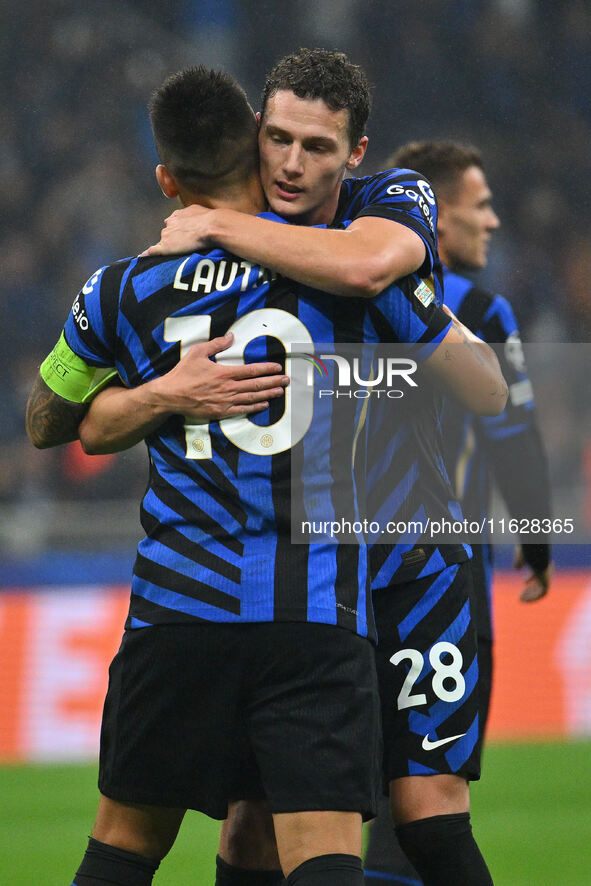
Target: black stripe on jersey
473 308
154 613
348 322
128 363
225 450
209 478
167 578
110 294
291 561
382 326
192 513
178 542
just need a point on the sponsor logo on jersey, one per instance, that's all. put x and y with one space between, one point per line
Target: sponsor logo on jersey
429 745
424 293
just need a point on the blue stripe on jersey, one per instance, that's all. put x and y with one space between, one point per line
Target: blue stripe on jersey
158 509
455 289
258 562
160 553
438 714
178 602
424 351
441 710
126 274
322 573
375 474
435 563
418 769
134 345
427 602
78 345
392 563
138 623
502 309
362 572
148 282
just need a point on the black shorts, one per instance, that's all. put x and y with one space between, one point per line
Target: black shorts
200 715
428 675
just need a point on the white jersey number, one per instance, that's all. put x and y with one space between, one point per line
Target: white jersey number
451 671
244 433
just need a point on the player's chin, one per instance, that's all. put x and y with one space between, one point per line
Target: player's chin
290 209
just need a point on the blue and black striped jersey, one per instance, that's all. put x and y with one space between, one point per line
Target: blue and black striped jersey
400 195
407 481
217 512
507 447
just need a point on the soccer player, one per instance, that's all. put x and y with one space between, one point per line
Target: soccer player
507 448
307 144
241 653
215 571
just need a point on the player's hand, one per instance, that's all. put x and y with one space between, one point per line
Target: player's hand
537 584
203 390
186 230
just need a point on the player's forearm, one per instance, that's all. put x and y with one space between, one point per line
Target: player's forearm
119 418
340 262
50 419
469 371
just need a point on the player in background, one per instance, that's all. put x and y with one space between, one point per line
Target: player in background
506 450
301 137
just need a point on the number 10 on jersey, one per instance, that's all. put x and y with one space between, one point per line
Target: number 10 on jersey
244 433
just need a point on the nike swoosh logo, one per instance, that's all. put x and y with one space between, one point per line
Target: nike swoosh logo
428 745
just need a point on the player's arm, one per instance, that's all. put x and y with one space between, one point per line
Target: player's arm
50 419
60 396
516 453
468 369
196 387
359 261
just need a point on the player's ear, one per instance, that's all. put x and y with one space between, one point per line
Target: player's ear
258 116
167 182
357 154
442 215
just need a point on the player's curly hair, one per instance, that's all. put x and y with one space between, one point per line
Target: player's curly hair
205 130
325 74
441 162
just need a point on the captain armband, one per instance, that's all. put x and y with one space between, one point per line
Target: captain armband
69 376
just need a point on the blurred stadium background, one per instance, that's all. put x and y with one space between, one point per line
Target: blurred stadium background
76 169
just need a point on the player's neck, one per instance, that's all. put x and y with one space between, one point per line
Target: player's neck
248 197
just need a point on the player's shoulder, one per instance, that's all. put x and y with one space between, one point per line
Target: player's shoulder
488 314
106 276
395 178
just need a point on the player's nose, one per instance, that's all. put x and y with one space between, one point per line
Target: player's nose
293 161
493 220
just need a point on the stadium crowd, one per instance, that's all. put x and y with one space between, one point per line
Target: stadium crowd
76 159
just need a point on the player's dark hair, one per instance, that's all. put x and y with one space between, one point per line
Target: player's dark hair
205 130
441 162
322 73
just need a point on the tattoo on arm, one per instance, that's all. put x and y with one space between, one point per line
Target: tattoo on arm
468 343
51 420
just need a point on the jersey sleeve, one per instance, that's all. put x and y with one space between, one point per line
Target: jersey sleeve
401 195
83 360
410 314
512 440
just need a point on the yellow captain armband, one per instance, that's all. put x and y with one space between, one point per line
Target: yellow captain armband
69 376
